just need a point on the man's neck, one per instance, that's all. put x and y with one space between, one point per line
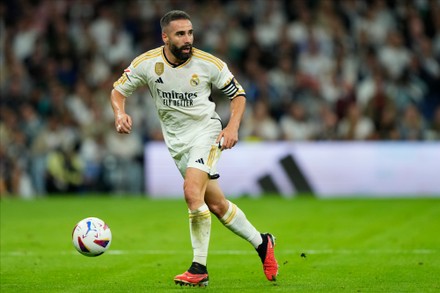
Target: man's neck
171 58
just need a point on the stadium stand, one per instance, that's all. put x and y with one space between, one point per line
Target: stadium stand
313 70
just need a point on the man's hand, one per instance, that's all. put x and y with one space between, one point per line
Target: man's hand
123 123
228 138
122 120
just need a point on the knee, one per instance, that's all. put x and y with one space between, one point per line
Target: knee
193 196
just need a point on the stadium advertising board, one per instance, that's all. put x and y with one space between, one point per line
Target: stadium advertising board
326 169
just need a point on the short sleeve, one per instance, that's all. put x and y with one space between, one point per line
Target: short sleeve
227 83
130 80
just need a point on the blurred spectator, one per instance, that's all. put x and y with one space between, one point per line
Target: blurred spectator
373 87
429 64
102 28
259 124
4 166
237 38
31 123
379 101
339 83
408 89
9 174
394 56
434 127
296 125
124 163
64 173
93 152
327 126
282 77
119 50
265 91
376 20
426 67
268 26
304 27
78 103
386 127
17 85
313 63
25 36
413 125
49 139
14 157
355 126
14 177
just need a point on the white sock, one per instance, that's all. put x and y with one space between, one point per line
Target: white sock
200 230
236 221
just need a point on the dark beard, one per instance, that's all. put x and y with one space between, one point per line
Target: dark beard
177 52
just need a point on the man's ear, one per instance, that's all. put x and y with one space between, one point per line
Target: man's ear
165 38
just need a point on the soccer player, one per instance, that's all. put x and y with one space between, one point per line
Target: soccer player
179 78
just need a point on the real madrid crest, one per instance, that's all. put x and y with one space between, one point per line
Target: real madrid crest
159 67
194 80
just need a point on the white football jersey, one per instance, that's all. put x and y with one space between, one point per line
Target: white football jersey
181 93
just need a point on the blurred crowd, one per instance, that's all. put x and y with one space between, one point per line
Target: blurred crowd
313 70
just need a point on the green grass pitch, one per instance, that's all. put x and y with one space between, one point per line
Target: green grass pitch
334 245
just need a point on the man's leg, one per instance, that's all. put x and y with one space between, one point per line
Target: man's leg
200 227
235 220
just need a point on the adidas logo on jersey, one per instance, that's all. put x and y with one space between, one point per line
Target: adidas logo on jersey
159 80
200 161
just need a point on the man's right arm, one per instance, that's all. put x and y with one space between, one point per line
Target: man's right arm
123 121
131 79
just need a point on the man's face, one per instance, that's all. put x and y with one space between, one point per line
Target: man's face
178 35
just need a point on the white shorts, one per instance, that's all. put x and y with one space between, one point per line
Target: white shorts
201 152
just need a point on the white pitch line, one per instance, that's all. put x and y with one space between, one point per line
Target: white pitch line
235 252
307 251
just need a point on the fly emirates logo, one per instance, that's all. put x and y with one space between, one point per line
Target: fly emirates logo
177 99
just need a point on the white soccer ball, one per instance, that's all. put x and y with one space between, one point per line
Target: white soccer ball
91 236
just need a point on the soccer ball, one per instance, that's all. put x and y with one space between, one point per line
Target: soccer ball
91 236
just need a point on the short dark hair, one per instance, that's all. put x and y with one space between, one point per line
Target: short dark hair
173 15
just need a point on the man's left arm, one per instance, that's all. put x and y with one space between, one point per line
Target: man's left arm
230 132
